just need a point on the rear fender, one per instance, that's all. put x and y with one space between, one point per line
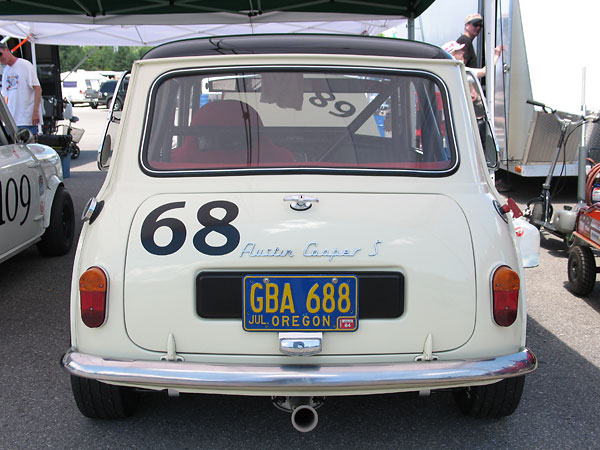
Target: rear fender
53 183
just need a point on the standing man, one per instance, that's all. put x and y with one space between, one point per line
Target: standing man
21 90
473 25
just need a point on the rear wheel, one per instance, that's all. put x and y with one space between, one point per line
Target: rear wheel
58 237
581 270
118 105
94 105
75 151
491 401
537 213
98 400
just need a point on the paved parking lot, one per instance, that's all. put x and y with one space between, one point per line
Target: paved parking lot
560 406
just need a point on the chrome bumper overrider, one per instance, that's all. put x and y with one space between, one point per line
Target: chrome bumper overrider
314 378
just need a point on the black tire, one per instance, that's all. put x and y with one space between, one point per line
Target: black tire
537 212
491 401
58 237
98 400
581 270
118 106
94 105
75 152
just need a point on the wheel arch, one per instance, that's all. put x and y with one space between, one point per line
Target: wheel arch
54 182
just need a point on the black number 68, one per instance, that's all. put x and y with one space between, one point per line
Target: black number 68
211 225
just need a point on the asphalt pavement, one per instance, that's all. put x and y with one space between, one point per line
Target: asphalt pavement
559 408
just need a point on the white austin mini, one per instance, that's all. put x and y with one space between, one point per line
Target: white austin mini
297 217
35 207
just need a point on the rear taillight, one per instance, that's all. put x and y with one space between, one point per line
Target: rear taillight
505 285
92 289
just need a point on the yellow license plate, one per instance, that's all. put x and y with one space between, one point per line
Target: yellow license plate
300 303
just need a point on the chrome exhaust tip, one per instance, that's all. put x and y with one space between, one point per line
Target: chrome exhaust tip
303 411
305 418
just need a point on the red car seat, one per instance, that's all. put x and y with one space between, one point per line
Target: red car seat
232 134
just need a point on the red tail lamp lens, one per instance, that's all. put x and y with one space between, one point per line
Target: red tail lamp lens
92 289
506 284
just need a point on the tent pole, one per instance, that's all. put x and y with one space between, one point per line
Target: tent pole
33 55
85 58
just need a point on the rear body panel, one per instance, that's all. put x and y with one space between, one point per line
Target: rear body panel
330 236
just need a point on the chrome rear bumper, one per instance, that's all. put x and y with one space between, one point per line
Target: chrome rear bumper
308 378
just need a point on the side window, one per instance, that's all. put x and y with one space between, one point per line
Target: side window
7 126
484 128
4 136
113 123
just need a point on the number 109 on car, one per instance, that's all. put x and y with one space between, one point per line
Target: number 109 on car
300 303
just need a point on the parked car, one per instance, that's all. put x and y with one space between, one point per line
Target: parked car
258 234
35 207
104 96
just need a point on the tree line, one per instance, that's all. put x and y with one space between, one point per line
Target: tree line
101 58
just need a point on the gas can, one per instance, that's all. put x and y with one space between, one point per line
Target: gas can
528 238
564 220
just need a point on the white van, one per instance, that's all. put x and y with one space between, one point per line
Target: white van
75 84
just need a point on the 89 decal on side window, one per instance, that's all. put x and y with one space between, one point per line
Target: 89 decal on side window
210 224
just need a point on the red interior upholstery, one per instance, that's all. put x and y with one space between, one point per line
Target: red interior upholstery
229 146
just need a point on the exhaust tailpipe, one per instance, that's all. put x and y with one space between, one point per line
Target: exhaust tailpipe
303 411
305 418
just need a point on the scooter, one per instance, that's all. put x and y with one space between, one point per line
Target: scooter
539 210
76 134
66 140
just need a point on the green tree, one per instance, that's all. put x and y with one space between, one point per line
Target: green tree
102 58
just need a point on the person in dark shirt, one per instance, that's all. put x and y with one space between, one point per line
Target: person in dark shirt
473 25
457 51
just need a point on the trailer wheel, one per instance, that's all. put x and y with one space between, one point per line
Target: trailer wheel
581 270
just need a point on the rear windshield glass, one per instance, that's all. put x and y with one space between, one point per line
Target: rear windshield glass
302 120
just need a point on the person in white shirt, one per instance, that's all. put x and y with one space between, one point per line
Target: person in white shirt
21 89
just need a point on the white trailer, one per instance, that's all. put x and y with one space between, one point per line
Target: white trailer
76 83
540 61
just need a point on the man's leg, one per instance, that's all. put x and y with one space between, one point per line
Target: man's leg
32 128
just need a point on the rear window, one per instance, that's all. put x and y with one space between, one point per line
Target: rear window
299 120
92 84
69 84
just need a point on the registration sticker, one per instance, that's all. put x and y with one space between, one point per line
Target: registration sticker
300 303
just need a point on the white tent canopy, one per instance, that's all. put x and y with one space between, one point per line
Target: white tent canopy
110 32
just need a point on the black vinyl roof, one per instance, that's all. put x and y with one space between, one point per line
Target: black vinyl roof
297 43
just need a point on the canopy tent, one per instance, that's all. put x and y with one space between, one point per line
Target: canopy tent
151 12
151 35
151 22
